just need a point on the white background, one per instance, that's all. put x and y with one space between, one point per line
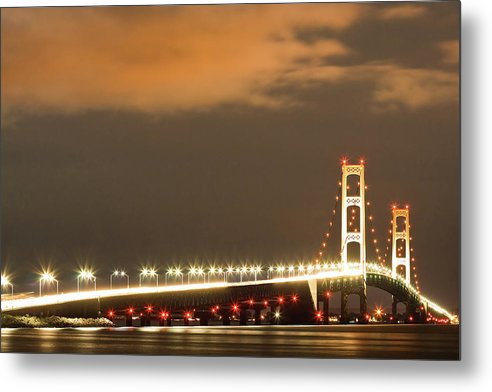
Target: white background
472 373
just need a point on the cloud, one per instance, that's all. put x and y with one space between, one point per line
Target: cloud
168 59
158 59
450 51
402 12
414 88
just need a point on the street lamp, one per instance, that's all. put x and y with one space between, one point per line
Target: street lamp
117 273
211 271
169 272
86 275
201 272
6 282
149 273
270 272
281 269
48 278
230 271
178 272
257 271
242 271
192 271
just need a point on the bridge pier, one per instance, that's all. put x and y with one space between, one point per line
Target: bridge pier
243 315
258 315
343 308
326 309
363 306
204 317
362 293
129 320
394 306
226 317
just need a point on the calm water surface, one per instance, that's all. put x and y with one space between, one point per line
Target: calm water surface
334 341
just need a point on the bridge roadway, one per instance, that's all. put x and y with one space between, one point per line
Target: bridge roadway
308 288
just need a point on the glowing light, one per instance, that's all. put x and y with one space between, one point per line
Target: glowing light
5 281
47 277
277 314
86 274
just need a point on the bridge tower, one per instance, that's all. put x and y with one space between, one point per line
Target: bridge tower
357 235
400 234
359 201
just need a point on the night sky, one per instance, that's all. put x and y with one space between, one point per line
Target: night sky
200 134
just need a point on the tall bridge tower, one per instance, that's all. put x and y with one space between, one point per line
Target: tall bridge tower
400 254
354 200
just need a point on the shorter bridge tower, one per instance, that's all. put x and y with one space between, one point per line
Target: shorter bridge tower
396 258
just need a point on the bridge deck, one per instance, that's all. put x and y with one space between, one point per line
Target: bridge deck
350 273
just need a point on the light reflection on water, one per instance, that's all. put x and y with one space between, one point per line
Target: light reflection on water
356 341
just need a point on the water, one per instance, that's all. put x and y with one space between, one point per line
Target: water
333 341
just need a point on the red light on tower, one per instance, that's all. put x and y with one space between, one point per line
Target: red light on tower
110 313
328 294
362 161
407 206
294 298
235 307
265 302
251 302
281 300
130 310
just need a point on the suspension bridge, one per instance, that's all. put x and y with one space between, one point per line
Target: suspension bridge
290 294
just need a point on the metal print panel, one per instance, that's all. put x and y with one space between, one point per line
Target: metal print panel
277 180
